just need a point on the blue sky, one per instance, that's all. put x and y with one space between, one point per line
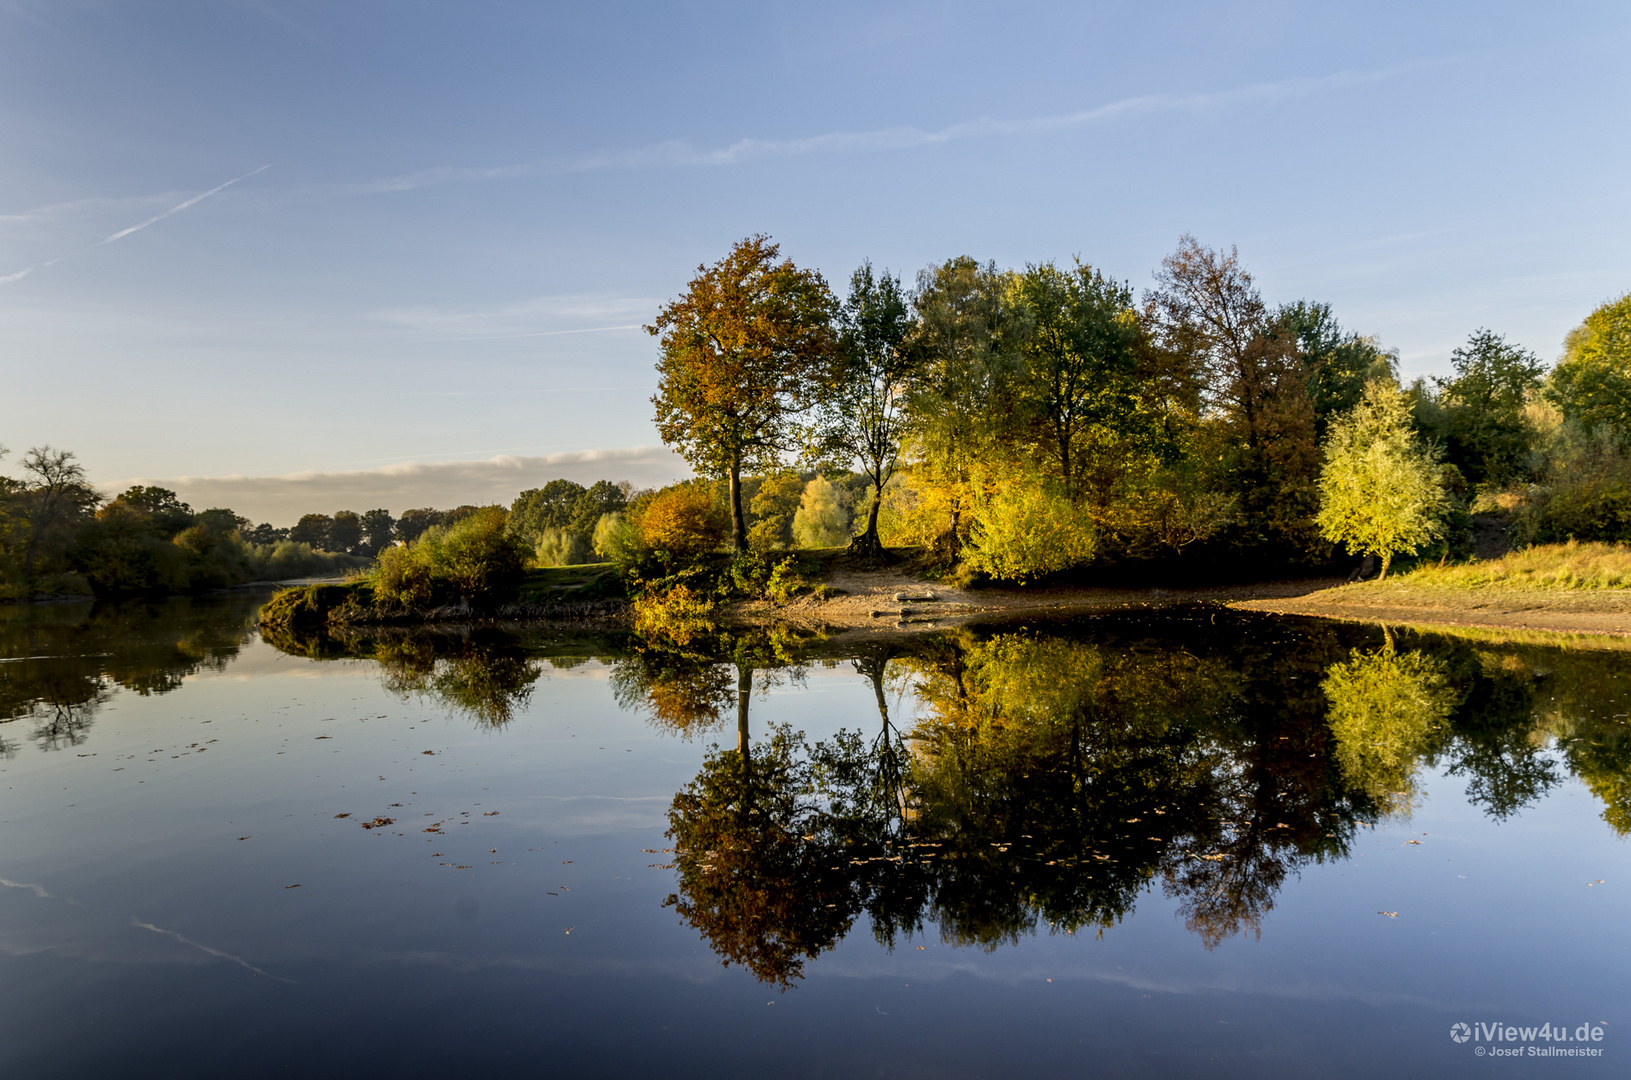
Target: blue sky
461 208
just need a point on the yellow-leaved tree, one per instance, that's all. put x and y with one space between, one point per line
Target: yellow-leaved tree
1381 492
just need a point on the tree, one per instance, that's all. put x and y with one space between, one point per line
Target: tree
1075 337
312 529
345 531
866 411
1339 363
1381 493
549 507
162 508
54 493
823 516
745 353
960 406
602 498
773 507
1592 382
413 523
1208 311
1488 439
377 527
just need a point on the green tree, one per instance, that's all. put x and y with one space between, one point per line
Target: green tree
773 507
167 513
377 529
1592 381
1339 363
413 523
1381 492
866 411
345 531
960 405
549 507
1483 405
1075 334
313 529
745 353
602 497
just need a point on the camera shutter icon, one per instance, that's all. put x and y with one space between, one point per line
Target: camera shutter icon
1460 1032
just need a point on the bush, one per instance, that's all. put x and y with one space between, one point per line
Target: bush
1027 529
473 560
681 524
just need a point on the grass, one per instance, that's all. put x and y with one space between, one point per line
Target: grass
585 581
1545 566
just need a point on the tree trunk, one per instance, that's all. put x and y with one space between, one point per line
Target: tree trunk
744 691
1387 559
867 544
739 528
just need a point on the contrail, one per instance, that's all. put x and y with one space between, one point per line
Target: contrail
240 961
122 233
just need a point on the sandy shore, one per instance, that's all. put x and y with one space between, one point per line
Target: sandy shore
887 602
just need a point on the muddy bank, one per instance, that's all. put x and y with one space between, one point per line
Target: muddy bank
1568 611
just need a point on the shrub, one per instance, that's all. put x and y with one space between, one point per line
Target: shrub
1026 529
473 560
681 524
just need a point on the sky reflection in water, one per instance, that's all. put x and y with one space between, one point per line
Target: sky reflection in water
1231 842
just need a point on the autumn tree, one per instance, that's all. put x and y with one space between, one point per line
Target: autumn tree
745 354
1207 310
1381 493
866 411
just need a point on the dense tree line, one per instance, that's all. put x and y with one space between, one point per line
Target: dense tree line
1024 421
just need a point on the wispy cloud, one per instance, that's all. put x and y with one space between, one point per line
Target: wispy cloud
676 153
122 233
540 316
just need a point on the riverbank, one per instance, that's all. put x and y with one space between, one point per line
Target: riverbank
1566 611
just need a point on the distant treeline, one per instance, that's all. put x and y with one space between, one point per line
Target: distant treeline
59 536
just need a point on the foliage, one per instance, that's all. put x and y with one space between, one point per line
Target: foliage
1339 363
559 547
745 352
677 614
473 561
1483 406
1074 338
1380 492
1592 381
680 524
823 517
1387 710
772 508
865 414
1026 528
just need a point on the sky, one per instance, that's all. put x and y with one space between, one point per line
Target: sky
303 256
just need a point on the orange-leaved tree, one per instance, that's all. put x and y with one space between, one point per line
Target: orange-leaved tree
746 351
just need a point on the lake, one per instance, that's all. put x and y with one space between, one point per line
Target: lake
1187 842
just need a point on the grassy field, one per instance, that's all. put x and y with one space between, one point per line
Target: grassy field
586 581
1544 566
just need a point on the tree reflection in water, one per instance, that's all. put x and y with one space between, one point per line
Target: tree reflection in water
1049 781
63 662
1046 779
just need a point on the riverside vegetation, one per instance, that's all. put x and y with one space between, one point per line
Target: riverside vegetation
1041 425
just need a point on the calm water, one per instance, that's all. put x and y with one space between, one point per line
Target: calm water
1194 843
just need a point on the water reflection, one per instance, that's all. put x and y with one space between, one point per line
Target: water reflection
1042 780
60 663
